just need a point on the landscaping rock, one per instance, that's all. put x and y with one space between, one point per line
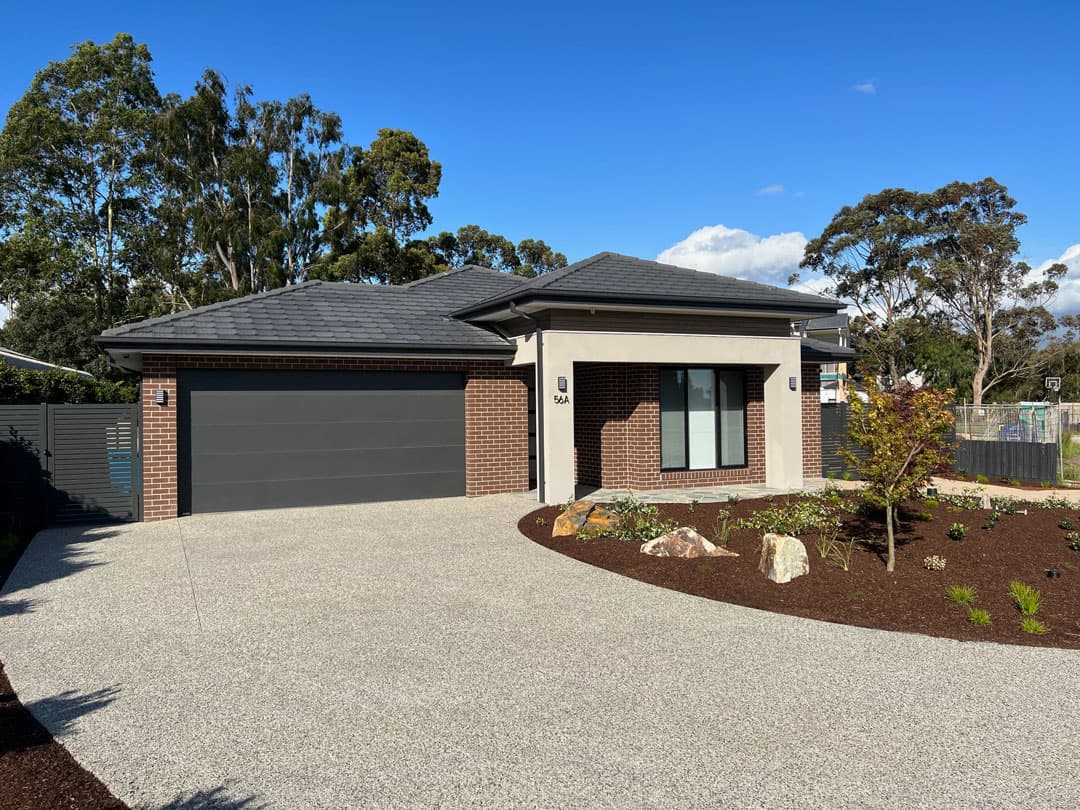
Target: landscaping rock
783 558
684 542
603 519
572 519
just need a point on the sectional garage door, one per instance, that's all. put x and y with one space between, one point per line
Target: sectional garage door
263 439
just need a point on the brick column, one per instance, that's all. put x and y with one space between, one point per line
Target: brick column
159 439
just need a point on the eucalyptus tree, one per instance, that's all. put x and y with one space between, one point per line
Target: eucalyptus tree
873 254
991 297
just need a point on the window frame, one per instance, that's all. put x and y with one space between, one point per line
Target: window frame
716 420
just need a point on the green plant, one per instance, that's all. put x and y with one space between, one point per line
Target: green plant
1027 598
1007 506
639 521
958 531
1014 482
961 594
978 617
1073 539
722 527
923 516
541 520
692 505
30 387
856 596
981 479
1066 524
931 503
704 568
1054 502
848 475
991 521
1034 626
840 554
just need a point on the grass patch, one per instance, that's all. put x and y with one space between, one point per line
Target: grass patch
1034 627
978 617
1028 599
961 594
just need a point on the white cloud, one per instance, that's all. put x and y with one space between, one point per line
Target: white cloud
799 194
770 190
868 87
1067 301
738 253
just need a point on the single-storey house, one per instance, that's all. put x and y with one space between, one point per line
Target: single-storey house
612 372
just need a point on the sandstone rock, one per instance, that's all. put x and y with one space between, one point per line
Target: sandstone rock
603 519
572 519
684 542
783 558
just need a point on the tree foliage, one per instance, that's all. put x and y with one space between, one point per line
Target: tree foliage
27 386
903 433
938 286
117 204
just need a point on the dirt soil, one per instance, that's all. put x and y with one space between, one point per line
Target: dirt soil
911 599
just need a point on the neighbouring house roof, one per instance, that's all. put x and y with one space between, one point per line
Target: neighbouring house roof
11 357
839 321
442 315
821 351
613 279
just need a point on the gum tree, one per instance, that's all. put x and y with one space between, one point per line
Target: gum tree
903 435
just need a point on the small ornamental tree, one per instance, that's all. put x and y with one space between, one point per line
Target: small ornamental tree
903 433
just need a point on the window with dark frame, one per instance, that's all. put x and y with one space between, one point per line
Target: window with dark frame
702 418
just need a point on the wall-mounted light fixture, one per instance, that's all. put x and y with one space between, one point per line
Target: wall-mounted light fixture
562 384
161 396
793 383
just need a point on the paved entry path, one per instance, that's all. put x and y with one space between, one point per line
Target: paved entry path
410 655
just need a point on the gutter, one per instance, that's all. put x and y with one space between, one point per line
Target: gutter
540 482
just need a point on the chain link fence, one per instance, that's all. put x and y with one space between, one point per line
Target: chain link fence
1035 422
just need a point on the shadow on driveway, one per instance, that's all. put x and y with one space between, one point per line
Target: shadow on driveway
214 799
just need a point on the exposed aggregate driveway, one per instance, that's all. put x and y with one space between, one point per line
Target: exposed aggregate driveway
418 654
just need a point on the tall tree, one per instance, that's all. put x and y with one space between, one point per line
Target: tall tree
873 253
976 279
73 172
471 244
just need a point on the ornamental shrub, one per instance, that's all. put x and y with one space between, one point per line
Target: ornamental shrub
24 386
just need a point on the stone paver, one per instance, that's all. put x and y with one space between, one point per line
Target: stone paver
426 654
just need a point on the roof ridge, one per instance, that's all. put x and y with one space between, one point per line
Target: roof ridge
453 271
176 316
569 270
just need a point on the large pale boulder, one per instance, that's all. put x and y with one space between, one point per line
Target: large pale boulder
783 558
572 519
684 542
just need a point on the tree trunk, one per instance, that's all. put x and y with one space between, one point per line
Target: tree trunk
890 563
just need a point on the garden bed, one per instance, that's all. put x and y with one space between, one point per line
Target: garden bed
36 771
911 599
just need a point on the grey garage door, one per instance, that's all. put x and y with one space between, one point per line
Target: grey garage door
261 439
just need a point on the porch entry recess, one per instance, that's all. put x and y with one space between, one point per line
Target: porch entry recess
702 418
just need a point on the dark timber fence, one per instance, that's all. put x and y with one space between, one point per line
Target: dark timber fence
1004 456
69 464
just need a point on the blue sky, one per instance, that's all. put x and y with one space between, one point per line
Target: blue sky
628 127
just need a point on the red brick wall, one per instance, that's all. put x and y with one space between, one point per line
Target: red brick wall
496 418
617 430
811 420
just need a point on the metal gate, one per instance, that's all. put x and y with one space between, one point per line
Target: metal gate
72 463
834 435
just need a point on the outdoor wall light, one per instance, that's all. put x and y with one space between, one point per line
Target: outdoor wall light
562 384
793 383
161 396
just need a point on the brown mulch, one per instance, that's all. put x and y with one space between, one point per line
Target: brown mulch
36 771
911 599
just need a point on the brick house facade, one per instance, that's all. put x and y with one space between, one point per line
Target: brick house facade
496 418
617 431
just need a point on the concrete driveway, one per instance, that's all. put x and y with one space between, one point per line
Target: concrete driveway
392 655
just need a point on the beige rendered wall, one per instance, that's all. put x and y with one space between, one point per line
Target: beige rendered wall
779 356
